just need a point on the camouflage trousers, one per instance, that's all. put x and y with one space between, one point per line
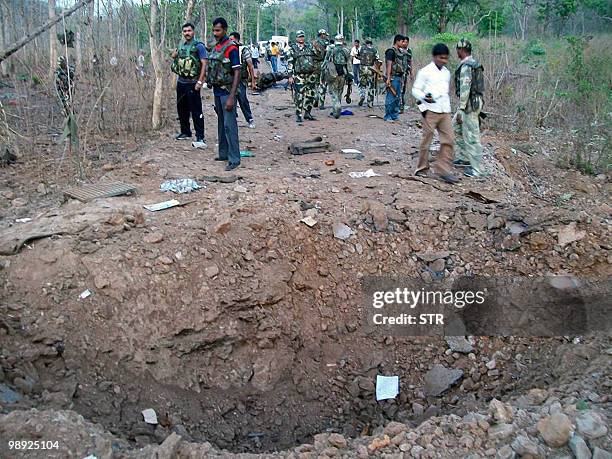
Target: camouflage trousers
367 84
467 144
336 88
305 92
321 91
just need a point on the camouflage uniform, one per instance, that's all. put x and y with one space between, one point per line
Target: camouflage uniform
302 67
320 46
468 147
407 62
339 55
368 55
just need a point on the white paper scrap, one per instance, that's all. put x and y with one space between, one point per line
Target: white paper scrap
150 417
386 387
162 205
84 294
368 173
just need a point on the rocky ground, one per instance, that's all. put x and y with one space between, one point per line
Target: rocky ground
241 326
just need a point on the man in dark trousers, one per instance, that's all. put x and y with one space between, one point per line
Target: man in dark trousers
189 63
247 73
224 76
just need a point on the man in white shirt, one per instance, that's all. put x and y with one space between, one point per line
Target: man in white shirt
356 62
431 89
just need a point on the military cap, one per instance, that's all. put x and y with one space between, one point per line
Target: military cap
322 31
300 33
339 37
463 43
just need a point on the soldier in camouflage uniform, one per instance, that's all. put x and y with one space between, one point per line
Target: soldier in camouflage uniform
339 57
407 62
64 83
247 77
320 44
303 74
469 86
368 55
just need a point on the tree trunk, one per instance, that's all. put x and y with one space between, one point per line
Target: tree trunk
357 34
4 71
341 25
258 23
204 21
189 10
79 47
52 40
240 18
401 18
409 19
157 61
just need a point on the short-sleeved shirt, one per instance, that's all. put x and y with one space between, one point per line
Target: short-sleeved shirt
233 55
202 54
390 55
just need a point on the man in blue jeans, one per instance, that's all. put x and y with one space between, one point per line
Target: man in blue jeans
189 63
395 75
224 76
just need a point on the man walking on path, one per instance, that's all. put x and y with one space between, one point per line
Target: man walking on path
189 63
224 77
274 53
247 72
469 86
356 62
320 45
431 89
369 61
337 72
395 75
302 72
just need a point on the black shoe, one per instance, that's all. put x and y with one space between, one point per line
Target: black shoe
460 163
231 167
449 178
182 136
422 173
299 119
322 107
337 114
309 117
220 159
361 101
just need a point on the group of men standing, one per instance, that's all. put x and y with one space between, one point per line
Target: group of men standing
323 65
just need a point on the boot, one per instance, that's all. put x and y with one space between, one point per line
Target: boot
299 119
308 116
361 101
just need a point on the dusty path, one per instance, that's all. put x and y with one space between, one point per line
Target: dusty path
241 325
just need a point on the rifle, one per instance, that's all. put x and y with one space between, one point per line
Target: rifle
384 78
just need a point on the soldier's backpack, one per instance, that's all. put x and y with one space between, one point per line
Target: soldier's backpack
187 63
245 55
367 56
220 71
477 86
303 59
